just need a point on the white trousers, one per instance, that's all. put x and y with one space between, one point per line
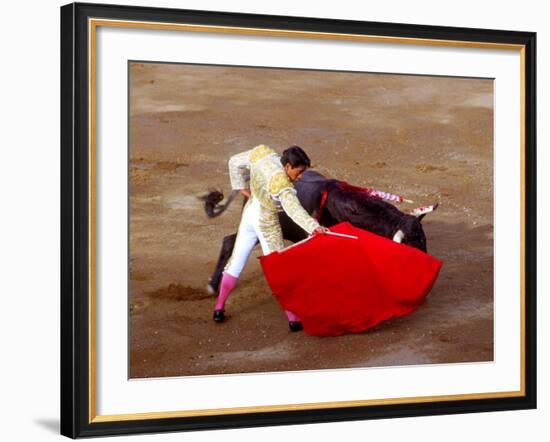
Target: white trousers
255 225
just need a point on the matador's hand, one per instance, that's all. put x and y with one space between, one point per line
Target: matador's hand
245 192
321 230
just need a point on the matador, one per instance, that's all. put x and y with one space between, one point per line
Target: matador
266 178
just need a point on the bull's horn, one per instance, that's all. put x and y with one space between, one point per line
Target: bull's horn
399 235
420 212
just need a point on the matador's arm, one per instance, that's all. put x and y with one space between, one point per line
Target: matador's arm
239 170
281 189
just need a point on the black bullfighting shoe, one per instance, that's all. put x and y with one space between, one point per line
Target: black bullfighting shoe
295 326
219 315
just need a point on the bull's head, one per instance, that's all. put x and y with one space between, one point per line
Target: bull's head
410 231
416 237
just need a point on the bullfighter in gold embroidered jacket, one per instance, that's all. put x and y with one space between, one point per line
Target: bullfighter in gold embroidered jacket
266 178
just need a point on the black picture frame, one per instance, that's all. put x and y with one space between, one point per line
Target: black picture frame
76 420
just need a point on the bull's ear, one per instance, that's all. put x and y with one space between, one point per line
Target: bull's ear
419 217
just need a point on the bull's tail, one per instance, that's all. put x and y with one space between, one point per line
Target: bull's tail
212 201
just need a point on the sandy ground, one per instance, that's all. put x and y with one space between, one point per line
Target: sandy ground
427 138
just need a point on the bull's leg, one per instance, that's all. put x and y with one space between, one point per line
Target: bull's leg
225 253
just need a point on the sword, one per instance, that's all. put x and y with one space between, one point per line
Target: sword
313 236
341 234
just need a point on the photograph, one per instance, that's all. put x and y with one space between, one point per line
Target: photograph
274 220
295 219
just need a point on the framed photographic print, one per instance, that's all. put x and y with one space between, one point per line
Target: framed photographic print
273 220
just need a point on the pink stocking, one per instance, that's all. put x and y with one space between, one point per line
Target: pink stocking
226 287
291 316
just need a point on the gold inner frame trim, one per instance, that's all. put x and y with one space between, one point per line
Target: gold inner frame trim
92 28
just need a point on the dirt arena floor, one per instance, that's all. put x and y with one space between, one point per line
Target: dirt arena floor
429 139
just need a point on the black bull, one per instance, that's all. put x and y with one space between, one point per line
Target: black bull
341 204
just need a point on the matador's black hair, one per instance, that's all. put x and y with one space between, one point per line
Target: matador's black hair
296 156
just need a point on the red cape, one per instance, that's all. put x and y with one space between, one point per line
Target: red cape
340 285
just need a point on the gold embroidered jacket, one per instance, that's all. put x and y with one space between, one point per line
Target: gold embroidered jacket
269 183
